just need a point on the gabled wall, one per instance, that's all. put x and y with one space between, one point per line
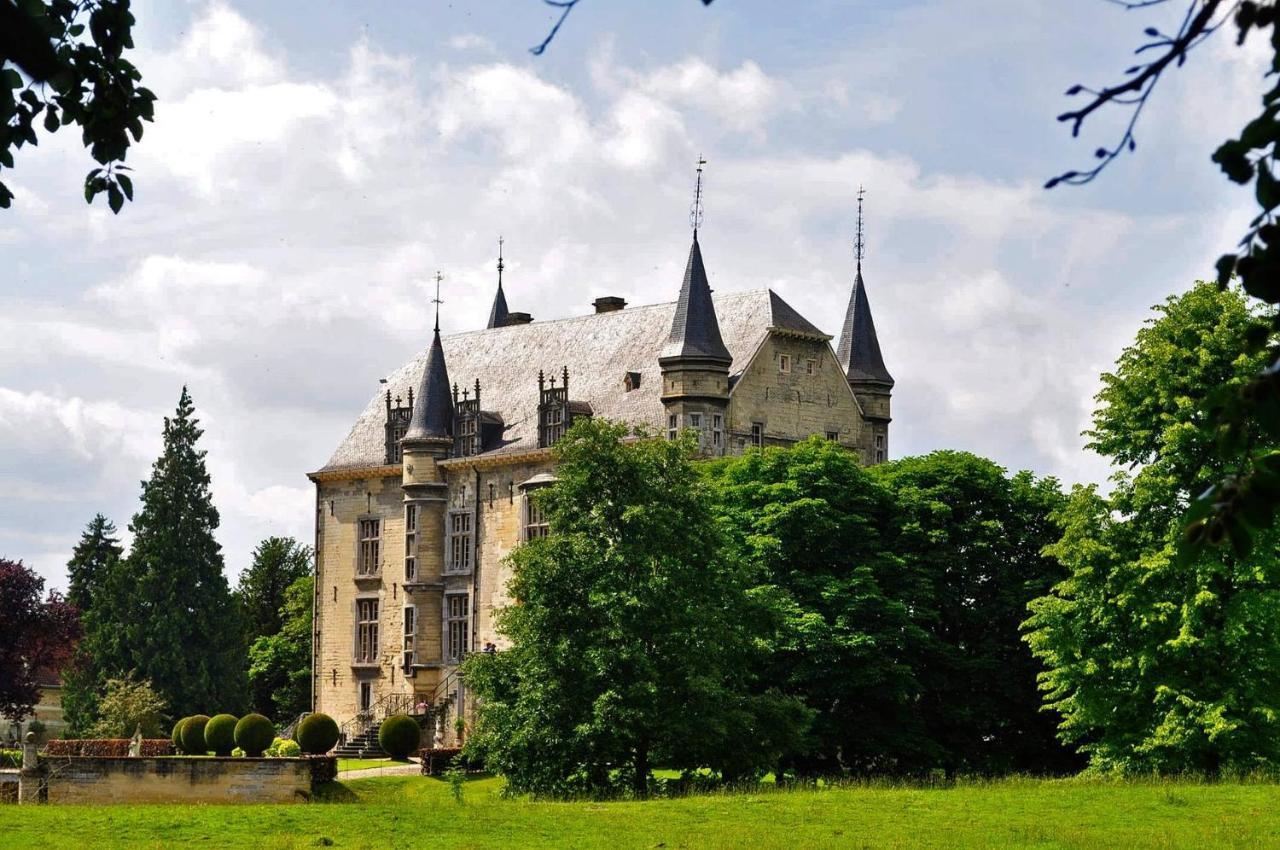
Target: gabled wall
793 405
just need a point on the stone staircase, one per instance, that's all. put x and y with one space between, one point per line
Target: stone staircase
362 746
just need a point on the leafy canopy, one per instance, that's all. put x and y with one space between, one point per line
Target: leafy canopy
1156 661
634 641
38 633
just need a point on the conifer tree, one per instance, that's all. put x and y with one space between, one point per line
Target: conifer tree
94 572
183 630
93 559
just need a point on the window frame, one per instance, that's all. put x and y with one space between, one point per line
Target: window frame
757 434
465 536
457 627
368 547
717 430
811 366
367 611
673 425
410 543
410 622
784 363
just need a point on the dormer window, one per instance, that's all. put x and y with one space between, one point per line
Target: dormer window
554 416
466 422
631 381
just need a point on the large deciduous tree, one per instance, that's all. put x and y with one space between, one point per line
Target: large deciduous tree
64 59
1159 660
280 663
972 536
38 633
817 531
278 562
634 642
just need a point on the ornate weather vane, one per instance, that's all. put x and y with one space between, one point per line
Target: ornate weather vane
859 246
436 300
695 212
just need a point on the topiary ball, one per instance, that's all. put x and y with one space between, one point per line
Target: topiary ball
193 735
254 734
316 734
177 733
220 734
399 735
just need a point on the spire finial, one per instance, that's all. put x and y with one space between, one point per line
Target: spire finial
436 300
859 247
500 266
695 212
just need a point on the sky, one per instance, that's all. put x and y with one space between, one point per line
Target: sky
313 165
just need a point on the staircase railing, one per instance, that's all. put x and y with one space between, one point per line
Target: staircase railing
365 720
288 731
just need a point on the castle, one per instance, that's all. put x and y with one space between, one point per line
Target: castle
420 504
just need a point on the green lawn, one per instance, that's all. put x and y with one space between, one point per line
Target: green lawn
413 811
366 764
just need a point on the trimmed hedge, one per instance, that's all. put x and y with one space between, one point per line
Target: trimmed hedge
107 747
399 735
177 732
193 743
253 734
220 733
317 734
436 760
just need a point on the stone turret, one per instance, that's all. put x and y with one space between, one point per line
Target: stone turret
426 496
694 361
863 364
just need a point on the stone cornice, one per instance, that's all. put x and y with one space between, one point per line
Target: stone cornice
391 471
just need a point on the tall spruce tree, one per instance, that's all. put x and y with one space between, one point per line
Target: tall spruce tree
183 630
94 573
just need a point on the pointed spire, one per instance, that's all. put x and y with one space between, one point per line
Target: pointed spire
694 329
498 312
859 351
432 416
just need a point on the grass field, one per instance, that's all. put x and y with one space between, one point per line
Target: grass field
412 811
365 764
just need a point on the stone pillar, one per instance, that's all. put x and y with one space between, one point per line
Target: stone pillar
31 779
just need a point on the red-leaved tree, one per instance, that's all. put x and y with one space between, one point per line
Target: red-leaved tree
37 632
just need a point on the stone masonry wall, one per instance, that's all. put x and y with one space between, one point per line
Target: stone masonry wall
796 404
177 780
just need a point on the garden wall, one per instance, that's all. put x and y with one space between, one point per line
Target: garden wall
179 780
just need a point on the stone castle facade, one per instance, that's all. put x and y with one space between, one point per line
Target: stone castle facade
420 504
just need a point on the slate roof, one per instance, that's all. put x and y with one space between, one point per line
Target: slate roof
859 351
694 329
598 348
433 409
498 312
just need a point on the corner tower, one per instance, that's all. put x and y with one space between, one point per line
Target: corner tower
694 361
428 440
863 364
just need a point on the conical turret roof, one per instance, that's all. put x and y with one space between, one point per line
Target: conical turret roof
694 329
433 409
859 351
498 312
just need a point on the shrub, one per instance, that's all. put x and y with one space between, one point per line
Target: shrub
317 733
253 734
237 753
177 732
108 747
283 748
10 758
193 743
399 735
220 733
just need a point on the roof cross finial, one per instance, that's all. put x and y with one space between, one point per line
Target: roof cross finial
436 300
859 247
695 212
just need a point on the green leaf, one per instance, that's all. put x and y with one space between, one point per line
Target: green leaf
115 199
126 184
